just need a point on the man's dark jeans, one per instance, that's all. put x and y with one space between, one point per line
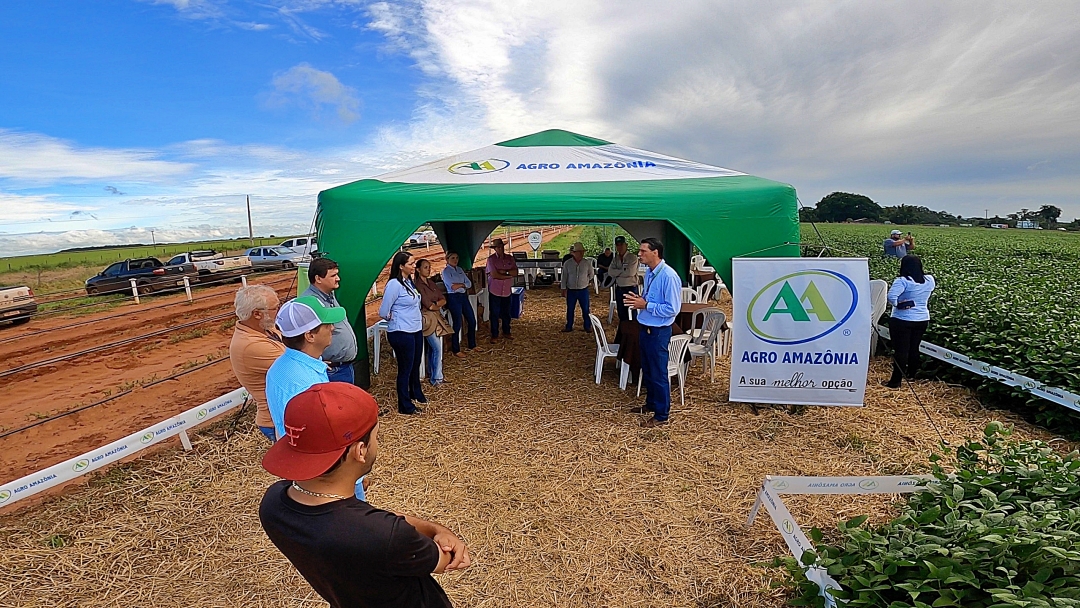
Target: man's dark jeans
458 305
654 370
500 310
577 296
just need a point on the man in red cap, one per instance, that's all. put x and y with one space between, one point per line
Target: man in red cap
351 553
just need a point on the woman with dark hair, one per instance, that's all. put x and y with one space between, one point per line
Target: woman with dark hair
910 316
431 305
401 309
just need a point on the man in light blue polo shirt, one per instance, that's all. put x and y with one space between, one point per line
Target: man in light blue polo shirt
306 330
658 304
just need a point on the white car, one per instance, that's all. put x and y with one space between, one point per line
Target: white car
275 257
304 245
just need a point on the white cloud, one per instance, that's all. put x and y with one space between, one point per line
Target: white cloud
313 89
823 95
925 103
33 157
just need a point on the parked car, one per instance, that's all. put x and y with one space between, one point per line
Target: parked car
306 245
422 239
213 266
275 257
149 273
17 304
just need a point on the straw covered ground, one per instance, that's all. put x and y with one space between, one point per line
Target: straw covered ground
562 498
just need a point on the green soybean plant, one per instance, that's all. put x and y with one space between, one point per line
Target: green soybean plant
1000 528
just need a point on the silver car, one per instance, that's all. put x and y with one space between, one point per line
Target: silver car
275 256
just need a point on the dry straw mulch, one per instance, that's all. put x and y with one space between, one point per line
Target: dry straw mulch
562 498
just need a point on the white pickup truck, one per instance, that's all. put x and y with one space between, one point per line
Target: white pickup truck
17 304
213 265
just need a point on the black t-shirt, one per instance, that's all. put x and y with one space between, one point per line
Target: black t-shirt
604 260
354 555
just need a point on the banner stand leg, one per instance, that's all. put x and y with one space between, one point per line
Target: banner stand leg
185 441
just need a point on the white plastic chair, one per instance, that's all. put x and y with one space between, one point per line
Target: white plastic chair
689 295
696 329
705 291
603 349
696 262
377 331
595 281
611 305
676 367
879 300
704 346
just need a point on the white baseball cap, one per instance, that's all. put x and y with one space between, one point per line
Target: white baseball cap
305 314
895 232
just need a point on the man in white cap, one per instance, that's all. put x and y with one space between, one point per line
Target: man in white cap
306 329
897 245
577 274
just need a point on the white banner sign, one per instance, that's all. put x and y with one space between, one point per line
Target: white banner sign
800 330
535 239
122 448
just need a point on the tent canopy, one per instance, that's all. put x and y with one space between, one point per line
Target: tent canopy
555 177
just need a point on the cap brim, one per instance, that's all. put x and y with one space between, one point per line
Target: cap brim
285 462
331 315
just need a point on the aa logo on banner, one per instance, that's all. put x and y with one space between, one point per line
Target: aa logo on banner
800 330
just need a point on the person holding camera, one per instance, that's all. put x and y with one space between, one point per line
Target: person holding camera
910 317
898 245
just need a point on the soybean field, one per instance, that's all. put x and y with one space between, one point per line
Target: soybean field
1007 297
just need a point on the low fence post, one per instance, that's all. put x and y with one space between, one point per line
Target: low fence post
243 279
134 290
187 288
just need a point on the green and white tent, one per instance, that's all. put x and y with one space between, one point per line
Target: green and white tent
555 177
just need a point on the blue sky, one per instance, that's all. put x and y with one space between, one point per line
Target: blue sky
122 116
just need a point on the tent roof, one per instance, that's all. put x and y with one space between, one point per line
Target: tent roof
553 156
555 177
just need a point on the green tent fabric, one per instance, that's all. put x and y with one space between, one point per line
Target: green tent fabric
554 177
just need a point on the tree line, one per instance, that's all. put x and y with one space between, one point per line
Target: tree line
848 207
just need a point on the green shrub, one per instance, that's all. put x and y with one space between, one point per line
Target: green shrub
1002 530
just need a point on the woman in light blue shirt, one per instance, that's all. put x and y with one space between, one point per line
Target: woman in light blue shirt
401 309
457 302
910 317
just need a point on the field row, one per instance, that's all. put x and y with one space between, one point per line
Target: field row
1008 298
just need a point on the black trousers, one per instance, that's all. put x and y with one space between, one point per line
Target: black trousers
620 308
906 337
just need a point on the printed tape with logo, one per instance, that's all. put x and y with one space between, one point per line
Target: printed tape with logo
797 542
121 448
1053 394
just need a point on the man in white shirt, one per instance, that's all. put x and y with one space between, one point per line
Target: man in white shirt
577 274
624 270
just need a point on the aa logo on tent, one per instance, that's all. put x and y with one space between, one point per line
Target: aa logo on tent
802 306
490 165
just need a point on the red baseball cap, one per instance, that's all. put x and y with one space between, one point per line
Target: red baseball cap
320 424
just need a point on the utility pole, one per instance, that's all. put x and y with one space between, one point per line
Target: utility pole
152 239
251 233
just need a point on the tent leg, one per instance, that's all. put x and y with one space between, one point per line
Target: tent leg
361 366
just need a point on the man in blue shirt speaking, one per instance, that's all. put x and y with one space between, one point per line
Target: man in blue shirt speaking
658 304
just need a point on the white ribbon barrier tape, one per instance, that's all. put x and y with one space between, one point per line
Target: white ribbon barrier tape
121 448
1056 395
797 542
